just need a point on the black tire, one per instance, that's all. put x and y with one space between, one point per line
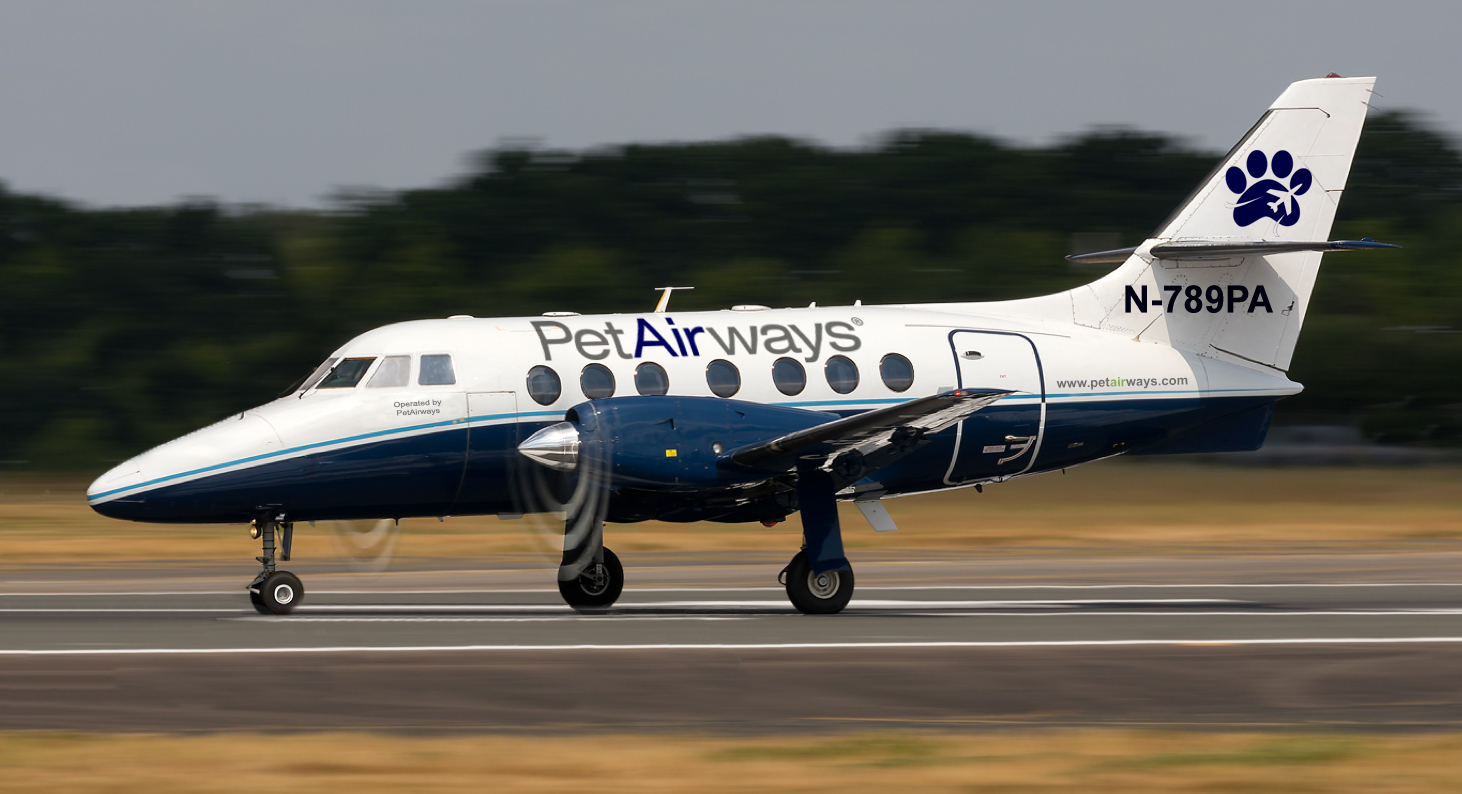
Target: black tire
598 587
822 594
279 594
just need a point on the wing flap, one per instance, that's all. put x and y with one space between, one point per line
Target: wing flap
870 431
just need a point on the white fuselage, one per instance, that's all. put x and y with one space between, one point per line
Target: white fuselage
1078 394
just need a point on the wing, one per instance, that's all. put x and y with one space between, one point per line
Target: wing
876 437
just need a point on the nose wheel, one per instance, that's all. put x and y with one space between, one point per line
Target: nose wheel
274 592
598 587
823 593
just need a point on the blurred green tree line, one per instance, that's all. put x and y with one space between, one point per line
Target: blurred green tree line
122 328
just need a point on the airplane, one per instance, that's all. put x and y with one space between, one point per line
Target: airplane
754 413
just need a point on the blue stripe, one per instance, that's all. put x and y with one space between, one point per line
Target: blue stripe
276 454
842 402
527 414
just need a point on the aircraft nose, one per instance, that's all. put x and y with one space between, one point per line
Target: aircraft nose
555 446
118 478
175 482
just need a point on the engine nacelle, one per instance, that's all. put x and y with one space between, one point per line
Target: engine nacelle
665 441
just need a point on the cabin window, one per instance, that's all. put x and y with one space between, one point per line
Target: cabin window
597 382
318 373
543 385
650 378
394 371
723 378
346 374
789 376
896 371
842 374
436 371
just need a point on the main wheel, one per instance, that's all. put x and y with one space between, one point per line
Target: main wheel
598 587
279 594
817 594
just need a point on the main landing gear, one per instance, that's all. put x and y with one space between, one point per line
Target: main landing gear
819 579
812 593
274 592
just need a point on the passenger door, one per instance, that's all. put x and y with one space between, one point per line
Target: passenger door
1002 439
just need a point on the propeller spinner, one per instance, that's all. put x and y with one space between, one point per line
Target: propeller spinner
555 446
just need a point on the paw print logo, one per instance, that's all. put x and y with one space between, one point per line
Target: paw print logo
1269 196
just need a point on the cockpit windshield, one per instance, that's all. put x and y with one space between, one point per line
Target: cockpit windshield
314 377
346 374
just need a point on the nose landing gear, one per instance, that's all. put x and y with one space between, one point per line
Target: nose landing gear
274 592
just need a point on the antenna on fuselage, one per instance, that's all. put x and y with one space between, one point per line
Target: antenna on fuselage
665 297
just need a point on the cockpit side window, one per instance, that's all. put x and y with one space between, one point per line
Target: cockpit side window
319 372
346 374
436 370
394 371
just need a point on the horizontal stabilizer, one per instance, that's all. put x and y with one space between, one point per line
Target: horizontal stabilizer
1216 249
1213 249
1113 257
872 431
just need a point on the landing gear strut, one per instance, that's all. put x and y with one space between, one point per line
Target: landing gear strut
590 577
819 579
274 592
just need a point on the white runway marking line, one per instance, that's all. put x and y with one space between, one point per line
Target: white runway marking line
869 604
1264 613
652 590
87 610
543 619
779 605
788 611
794 646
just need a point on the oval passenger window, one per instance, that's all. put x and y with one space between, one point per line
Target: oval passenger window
896 371
543 385
789 376
723 378
842 374
597 382
650 378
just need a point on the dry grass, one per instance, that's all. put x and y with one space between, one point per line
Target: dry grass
1118 504
1092 761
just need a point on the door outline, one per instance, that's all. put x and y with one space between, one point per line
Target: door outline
1035 446
471 421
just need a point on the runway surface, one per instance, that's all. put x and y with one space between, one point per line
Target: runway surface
700 648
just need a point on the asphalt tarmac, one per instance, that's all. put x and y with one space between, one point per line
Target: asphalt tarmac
705 644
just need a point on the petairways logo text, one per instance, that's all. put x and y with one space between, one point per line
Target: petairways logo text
775 338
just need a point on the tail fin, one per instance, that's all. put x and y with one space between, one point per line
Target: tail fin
1229 275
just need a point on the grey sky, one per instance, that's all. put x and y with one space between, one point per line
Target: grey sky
143 101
